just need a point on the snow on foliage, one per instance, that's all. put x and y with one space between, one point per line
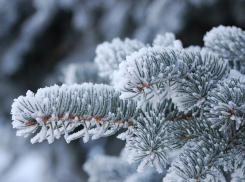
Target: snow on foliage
110 55
238 175
227 105
206 71
167 40
148 175
166 96
149 143
164 40
197 159
229 43
193 48
59 110
151 73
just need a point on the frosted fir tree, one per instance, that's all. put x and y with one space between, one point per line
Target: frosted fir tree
167 97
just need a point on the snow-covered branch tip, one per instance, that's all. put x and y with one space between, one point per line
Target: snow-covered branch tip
226 106
110 55
166 40
59 110
151 73
229 43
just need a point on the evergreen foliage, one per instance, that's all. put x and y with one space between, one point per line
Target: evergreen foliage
229 43
149 143
204 74
200 157
59 110
226 106
110 55
164 40
152 73
166 97
238 176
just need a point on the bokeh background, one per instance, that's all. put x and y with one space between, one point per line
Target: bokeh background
40 38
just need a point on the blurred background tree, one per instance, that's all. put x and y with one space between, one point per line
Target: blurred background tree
39 38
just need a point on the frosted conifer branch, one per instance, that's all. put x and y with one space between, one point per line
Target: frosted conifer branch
235 163
167 40
152 73
206 71
181 99
199 131
227 105
149 143
110 55
200 160
239 174
183 129
229 43
59 110
193 48
164 40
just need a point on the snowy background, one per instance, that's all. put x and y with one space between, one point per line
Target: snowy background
39 38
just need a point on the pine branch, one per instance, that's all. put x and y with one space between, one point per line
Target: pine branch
110 55
152 73
181 98
226 107
199 137
149 142
229 43
182 131
234 162
206 71
193 48
239 174
200 160
59 110
164 40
